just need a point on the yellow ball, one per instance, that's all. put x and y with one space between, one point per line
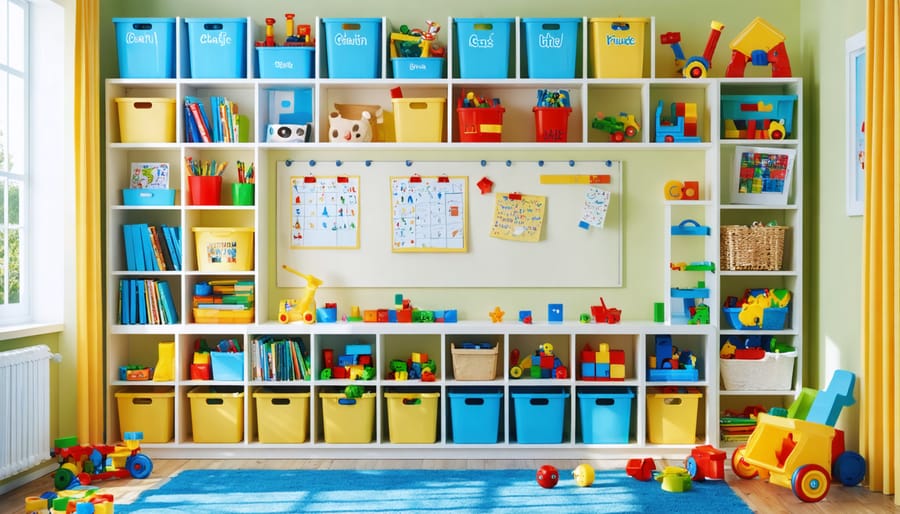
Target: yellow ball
583 475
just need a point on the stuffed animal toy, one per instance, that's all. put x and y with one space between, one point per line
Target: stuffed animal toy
342 130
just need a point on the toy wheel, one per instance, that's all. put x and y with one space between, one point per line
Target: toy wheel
62 478
810 483
630 131
618 137
849 468
693 469
139 465
740 466
695 70
669 139
776 134
309 317
84 478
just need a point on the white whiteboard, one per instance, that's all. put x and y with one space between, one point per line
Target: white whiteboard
565 256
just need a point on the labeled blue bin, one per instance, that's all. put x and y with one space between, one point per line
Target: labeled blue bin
217 47
146 47
353 47
605 416
286 62
483 47
551 47
418 67
540 416
475 416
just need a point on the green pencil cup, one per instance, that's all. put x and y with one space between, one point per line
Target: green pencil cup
242 194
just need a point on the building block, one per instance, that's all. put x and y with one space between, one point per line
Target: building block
601 357
588 370
358 349
641 469
827 405
555 313
617 371
663 349
617 357
800 407
603 370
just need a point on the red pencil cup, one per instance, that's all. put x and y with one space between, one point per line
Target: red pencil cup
551 124
205 189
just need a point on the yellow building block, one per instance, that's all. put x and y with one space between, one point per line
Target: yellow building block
370 316
601 357
617 371
355 372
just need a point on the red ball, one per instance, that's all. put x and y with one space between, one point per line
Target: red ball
547 476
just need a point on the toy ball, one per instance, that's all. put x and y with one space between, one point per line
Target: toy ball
547 476
583 475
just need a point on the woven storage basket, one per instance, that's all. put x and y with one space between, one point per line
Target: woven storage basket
751 248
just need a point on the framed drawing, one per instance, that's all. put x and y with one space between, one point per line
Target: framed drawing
856 124
762 175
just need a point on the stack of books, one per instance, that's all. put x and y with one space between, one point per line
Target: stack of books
223 301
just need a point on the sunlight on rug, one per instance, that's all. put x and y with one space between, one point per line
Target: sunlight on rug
362 491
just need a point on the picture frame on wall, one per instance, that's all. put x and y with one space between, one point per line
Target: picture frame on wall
761 175
856 124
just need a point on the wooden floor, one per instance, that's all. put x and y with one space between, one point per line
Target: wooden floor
759 495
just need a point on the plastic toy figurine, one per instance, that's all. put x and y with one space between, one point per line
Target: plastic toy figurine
303 309
547 476
674 479
759 43
496 315
704 462
641 469
619 127
680 127
84 464
698 66
604 314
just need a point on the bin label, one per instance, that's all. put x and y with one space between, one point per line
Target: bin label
284 65
613 40
211 38
481 42
145 38
343 39
548 40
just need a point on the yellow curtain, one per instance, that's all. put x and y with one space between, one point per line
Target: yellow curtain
880 431
88 222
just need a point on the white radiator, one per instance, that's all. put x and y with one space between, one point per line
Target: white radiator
25 400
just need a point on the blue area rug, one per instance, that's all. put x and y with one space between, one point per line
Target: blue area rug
341 491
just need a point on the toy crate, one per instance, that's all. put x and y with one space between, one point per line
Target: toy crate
616 47
474 364
224 248
412 417
743 248
773 318
146 47
227 365
551 124
540 416
418 67
480 124
744 115
286 62
605 416
419 119
483 45
348 420
672 417
551 46
353 47
774 372
282 415
148 197
223 316
475 416
147 411
146 120
217 47
217 414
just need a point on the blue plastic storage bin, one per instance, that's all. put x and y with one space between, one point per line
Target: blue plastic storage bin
551 46
475 416
605 416
539 416
148 197
483 47
146 47
285 62
418 67
353 47
217 47
773 318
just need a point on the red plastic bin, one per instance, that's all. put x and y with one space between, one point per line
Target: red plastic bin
551 124
480 124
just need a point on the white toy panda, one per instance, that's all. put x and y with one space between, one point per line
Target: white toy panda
342 130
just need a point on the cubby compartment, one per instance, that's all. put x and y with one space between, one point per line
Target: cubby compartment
606 358
616 114
537 358
475 415
411 358
411 415
474 357
343 419
540 415
341 358
678 358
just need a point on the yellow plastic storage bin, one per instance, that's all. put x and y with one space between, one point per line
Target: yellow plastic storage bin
412 417
672 417
217 415
282 416
224 248
223 316
348 420
419 120
617 47
147 411
146 120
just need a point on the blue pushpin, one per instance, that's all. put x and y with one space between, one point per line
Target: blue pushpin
338 163
312 162
541 164
289 162
368 163
572 164
483 163
508 163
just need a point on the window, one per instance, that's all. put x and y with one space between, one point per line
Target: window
14 157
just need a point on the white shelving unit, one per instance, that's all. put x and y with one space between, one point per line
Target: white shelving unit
127 344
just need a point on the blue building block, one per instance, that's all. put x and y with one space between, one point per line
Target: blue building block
358 349
392 316
450 316
346 360
663 350
602 369
588 369
555 313
828 403
523 315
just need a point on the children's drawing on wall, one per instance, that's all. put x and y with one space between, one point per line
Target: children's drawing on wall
324 212
428 214
763 175
596 203
518 217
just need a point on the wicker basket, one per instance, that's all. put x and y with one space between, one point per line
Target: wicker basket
746 248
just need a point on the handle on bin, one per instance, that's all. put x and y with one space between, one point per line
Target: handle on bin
539 401
412 401
474 401
212 26
215 401
604 401
672 401
550 26
281 401
141 401
351 26
483 26
418 105
142 26
143 105
346 401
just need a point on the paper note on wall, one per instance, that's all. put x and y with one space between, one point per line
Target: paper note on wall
324 212
428 214
518 217
596 203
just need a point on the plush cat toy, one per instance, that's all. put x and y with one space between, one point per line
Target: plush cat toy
342 130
